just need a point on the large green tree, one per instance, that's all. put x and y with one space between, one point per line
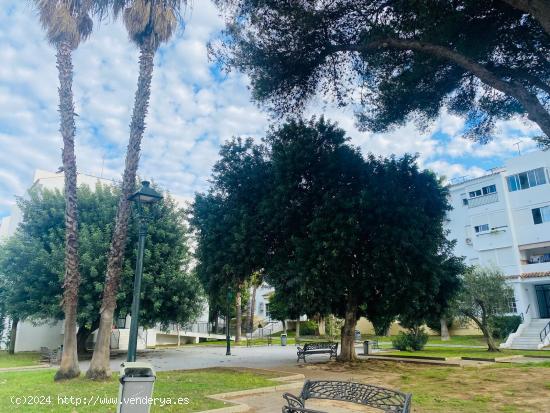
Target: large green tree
227 219
397 60
350 236
31 262
149 24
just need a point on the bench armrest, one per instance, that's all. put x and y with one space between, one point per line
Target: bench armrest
293 401
288 409
300 348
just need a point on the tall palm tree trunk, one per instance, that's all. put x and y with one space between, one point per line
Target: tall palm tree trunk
69 361
99 366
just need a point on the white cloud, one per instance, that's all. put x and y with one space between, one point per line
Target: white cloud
192 110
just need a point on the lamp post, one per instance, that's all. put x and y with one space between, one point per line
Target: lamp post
145 196
227 337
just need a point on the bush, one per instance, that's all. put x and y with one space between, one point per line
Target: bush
401 342
413 340
308 328
504 325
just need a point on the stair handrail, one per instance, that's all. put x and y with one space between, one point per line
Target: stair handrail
526 312
544 332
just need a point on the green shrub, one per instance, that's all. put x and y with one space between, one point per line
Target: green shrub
413 340
505 325
308 328
401 342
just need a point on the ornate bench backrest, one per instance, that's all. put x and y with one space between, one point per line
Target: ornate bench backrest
319 346
365 394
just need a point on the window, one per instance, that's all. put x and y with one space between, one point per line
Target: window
464 201
481 228
525 180
120 322
512 306
486 190
491 189
541 215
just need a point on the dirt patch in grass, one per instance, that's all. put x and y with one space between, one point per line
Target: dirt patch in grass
494 388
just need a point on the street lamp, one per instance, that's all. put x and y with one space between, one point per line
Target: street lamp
145 196
227 337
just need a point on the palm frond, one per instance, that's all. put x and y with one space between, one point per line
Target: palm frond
149 21
69 20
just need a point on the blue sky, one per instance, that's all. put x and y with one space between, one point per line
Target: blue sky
193 110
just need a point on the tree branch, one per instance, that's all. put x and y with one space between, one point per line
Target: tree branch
538 9
533 107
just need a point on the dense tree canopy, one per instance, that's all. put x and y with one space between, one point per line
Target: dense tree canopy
398 59
332 231
231 241
354 236
31 262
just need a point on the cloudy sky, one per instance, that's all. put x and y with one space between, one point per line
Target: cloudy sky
193 110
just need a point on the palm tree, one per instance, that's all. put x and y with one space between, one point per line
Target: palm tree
149 23
67 23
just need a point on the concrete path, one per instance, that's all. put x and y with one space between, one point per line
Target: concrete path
200 357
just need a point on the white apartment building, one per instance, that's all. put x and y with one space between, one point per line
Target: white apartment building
502 219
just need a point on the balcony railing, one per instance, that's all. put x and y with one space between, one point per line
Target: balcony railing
483 200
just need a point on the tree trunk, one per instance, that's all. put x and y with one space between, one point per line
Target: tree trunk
284 326
252 309
321 327
239 315
83 335
99 366
347 350
539 9
13 335
298 328
491 346
69 361
445 336
247 315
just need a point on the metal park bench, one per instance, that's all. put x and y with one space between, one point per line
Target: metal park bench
317 348
49 356
387 400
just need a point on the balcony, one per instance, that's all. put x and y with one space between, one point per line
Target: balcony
483 200
541 267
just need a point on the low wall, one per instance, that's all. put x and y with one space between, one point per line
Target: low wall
365 327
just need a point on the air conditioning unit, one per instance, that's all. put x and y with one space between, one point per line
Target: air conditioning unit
469 241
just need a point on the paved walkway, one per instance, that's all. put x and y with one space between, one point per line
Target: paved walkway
199 357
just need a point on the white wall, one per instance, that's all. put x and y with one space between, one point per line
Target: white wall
31 338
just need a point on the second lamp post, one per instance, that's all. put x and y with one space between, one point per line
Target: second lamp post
145 196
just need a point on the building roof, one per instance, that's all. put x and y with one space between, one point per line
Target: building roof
539 274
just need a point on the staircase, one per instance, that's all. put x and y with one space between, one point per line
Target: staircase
527 336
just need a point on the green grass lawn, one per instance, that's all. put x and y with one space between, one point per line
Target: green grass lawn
494 388
456 340
497 388
18 359
193 384
466 352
